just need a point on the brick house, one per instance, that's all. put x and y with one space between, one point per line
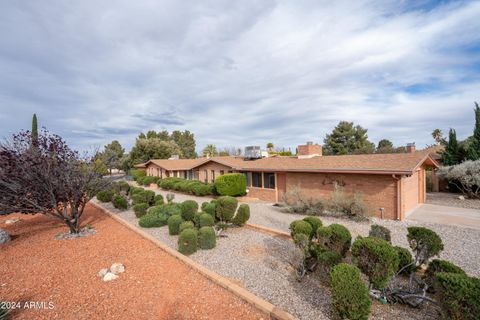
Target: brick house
392 185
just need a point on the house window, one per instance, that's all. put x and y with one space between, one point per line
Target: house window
185 175
257 179
158 172
222 172
213 176
248 176
206 175
190 175
269 180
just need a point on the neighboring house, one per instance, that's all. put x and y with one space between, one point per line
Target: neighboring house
392 183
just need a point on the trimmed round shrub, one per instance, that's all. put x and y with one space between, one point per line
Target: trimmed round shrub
189 208
231 184
105 195
187 241
174 224
121 186
120 202
153 220
314 222
376 258
172 209
207 238
140 209
144 196
210 208
349 294
380 232
424 242
405 260
135 190
204 204
300 226
335 237
438 265
242 216
149 196
459 295
226 207
205 220
156 210
186 225
158 199
328 259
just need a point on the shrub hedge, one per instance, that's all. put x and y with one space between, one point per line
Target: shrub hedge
140 209
120 202
242 216
207 238
459 295
226 207
231 184
105 195
188 186
376 258
187 241
137 173
349 294
174 224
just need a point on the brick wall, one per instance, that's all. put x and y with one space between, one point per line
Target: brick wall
262 194
209 167
379 191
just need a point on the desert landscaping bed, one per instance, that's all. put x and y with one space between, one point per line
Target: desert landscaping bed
461 244
260 262
36 267
453 200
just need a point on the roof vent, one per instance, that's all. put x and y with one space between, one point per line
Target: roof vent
174 157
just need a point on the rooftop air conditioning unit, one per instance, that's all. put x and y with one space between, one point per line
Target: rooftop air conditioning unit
253 152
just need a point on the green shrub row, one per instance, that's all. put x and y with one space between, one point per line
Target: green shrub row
188 186
231 184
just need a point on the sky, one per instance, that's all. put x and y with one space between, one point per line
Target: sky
239 73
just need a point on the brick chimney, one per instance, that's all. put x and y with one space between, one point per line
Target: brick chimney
411 147
309 150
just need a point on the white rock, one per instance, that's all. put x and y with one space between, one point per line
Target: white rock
461 197
109 276
102 272
117 268
12 221
4 236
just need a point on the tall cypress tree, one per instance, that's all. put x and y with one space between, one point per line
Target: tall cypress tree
34 131
450 156
474 148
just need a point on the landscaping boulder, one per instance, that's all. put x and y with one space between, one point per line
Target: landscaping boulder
109 277
117 268
4 236
12 221
102 272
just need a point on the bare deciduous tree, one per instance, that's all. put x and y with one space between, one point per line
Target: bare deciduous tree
46 177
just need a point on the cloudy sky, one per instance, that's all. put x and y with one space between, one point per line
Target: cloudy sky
239 73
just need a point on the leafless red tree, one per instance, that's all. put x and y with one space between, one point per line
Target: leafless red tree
46 177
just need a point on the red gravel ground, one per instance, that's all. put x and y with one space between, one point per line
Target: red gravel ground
36 267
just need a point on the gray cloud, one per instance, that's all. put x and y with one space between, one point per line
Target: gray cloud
239 73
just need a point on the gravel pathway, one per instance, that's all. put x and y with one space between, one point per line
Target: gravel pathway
261 263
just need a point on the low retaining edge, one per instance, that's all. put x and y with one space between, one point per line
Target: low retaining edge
259 303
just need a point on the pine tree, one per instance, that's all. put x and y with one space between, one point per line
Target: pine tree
34 131
347 139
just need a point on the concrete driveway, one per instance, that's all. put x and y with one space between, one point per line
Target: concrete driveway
446 215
